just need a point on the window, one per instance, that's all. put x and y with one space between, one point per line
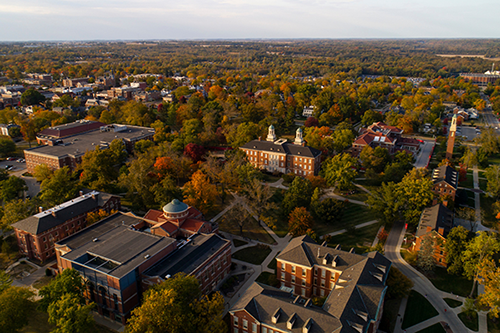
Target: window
293 278
44 239
254 327
303 282
264 329
235 321
282 275
331 285
293 269
323 272
316 271
303 272
236 330
245 324
115 298
322 292
304 292
322 283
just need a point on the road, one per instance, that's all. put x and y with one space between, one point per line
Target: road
423 158
490 119
421 283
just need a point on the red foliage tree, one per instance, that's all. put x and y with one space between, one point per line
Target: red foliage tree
311 121
194 151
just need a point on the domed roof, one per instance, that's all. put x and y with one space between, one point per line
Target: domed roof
271 126
175 206
299 130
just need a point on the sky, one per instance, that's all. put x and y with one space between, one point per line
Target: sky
34 20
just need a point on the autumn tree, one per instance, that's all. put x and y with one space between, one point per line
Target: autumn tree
200 193
11 188
298 195
493 177
300 220
238 215
31 97
17 210
398 285
489 277
176 305
455 245
98 215
194 152
258 197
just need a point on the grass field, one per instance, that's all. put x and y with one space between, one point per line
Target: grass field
417 310
238 243
359 195
251 229
458 285
471 323
468 183
254 255
483 184
453 303
390 315
356 239
353 215
436 328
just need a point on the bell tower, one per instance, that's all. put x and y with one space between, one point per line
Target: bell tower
271 136
451 137
299 140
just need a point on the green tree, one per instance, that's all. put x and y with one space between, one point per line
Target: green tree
69 282
374 160
385 203
16 305
298 195
31 97
493 177
398 285
371 117
340 171
10 188
7 146
489 277
243 133
329 211
58 188
17 210
300 221
401 164
258 197
176 305
70 315
342 139
482 247
425 255
455 245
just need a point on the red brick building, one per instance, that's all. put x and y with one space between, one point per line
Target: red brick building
436 222
120 258
281 156
37 234
350 282
445 182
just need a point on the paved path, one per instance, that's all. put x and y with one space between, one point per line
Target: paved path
421 284
423 157
338 232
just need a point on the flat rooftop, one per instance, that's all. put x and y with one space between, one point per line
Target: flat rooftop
78 144
112 246
198 249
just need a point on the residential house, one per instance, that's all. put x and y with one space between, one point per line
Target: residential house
279 155
354 287
435 222
37 234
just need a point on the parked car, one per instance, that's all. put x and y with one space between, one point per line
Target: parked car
9 167
11 158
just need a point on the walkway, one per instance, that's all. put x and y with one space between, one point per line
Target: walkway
424 287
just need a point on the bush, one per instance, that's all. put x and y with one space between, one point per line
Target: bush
48 272
288 178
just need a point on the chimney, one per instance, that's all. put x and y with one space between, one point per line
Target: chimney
260 138
54 213
40 209
429 229
441 231
93 196
445 203
81 193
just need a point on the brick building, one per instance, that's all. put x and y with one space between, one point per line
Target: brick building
385 136
445 182
37 234
69 150
278 155
120 258
436 222
52 134
354 287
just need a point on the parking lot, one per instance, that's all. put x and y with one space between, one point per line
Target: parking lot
16 166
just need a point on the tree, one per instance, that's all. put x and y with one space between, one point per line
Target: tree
194 152
425 255
340 171
374 160
455 245
98 215
311 122
493 177
342 139
300 221
17 210
69 282
10 188
42 172
16 305
489 277
398 285
371 117
176 305
239 215
401 164
488 141
329 210
69 315
482 247
298 195
468 214
415 193
258 196
58 188
7 146
200 193
385 203
31 97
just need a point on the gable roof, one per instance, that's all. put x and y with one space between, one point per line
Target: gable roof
437 216
282 147
447 174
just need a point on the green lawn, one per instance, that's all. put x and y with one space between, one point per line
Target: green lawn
268 278
453 303
494 159
238 243
468 183
356 239
270 178
43 281
471 323
360 195
273 264
458 285
417 310
483 184
353 215
251 229
254 255
390 315
436 328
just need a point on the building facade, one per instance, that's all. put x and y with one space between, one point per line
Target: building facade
305 269
278 155
37 234
445 182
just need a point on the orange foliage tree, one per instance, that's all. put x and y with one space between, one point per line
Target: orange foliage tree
300 221
200 193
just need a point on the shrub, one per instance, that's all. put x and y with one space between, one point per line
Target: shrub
48 272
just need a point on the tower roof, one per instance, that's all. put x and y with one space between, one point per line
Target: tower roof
175 206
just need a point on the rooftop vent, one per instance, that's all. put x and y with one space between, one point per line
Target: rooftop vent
95 239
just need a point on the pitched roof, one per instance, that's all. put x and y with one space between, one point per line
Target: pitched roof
281 146
437 216
447 174
50 218
263 302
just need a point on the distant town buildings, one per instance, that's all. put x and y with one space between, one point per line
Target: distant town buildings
66 144
121 256
385 136
279 155
37 234
353 284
